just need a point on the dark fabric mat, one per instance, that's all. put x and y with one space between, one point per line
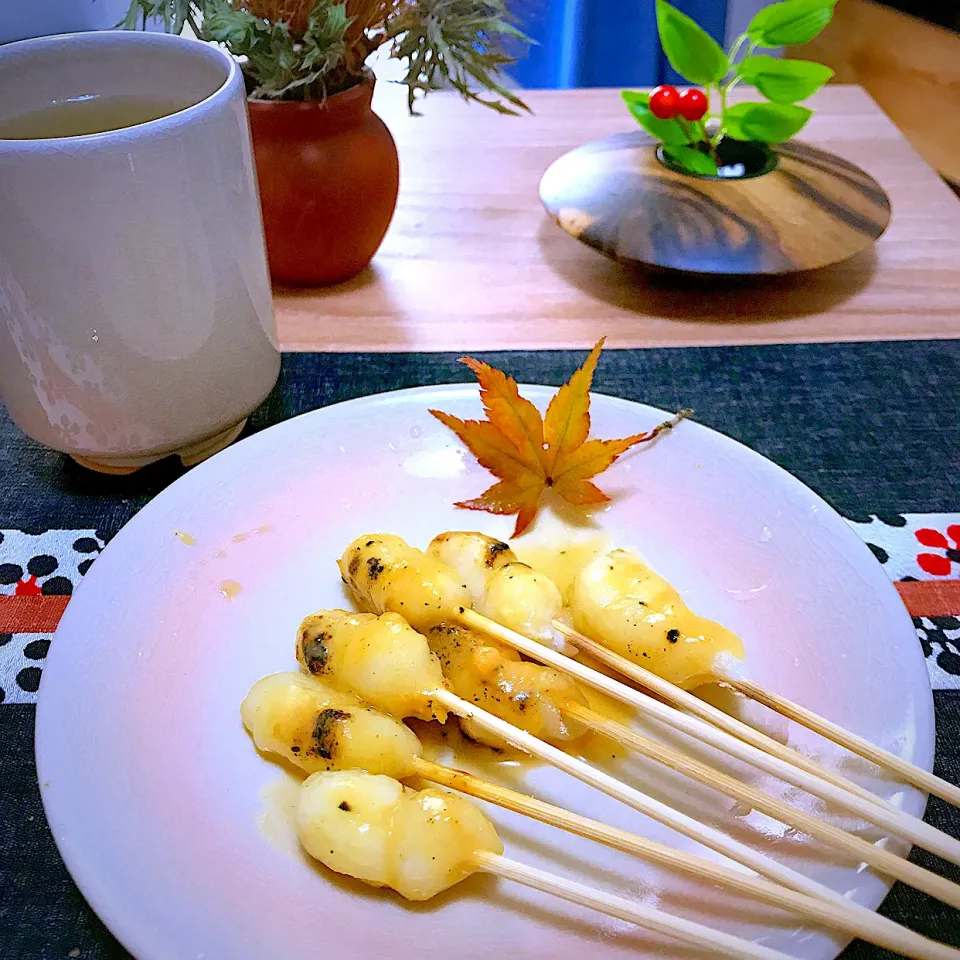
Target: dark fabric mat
874 428
868 426
42 913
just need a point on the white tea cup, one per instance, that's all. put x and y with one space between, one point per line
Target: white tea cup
136 319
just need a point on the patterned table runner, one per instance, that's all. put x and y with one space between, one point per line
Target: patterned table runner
874 428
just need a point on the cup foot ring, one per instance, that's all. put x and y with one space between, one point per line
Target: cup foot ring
189 456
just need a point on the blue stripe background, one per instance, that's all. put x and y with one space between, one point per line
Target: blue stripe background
602 43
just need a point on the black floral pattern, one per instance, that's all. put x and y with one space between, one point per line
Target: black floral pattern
879 552
940 639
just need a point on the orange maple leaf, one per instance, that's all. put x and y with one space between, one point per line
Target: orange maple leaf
529 453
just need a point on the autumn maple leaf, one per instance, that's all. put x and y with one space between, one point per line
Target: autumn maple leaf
529 453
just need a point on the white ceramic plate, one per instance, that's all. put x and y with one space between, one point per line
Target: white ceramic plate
173 826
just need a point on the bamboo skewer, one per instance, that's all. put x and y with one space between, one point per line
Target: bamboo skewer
687 701
920 832
836 913
906 771
894 821
860 850
686 825
677 927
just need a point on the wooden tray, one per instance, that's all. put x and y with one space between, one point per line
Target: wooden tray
813 210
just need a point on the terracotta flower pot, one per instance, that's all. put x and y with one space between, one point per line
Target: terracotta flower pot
329 175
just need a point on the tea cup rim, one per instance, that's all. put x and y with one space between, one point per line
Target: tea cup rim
29 48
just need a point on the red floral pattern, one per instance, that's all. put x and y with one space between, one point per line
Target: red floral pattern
939 565
28 587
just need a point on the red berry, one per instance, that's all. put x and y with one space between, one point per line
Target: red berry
664 101
692 104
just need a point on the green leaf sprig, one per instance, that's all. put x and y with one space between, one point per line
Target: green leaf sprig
311 49
281 65
698 58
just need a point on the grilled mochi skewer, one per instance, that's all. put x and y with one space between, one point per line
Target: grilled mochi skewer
353 631
334 645
617 600
384 661
378 658
320 729
639 610
385 573
619 591
490 674
632 620
501 587
420 843
672 649
620 604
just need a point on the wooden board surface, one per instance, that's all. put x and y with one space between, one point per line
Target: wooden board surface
812 210
472 261
910 67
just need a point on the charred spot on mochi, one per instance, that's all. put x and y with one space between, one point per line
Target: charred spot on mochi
316 652
325 733
354 565
673 635
374 568
494 551
370 543
294 749
343 805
